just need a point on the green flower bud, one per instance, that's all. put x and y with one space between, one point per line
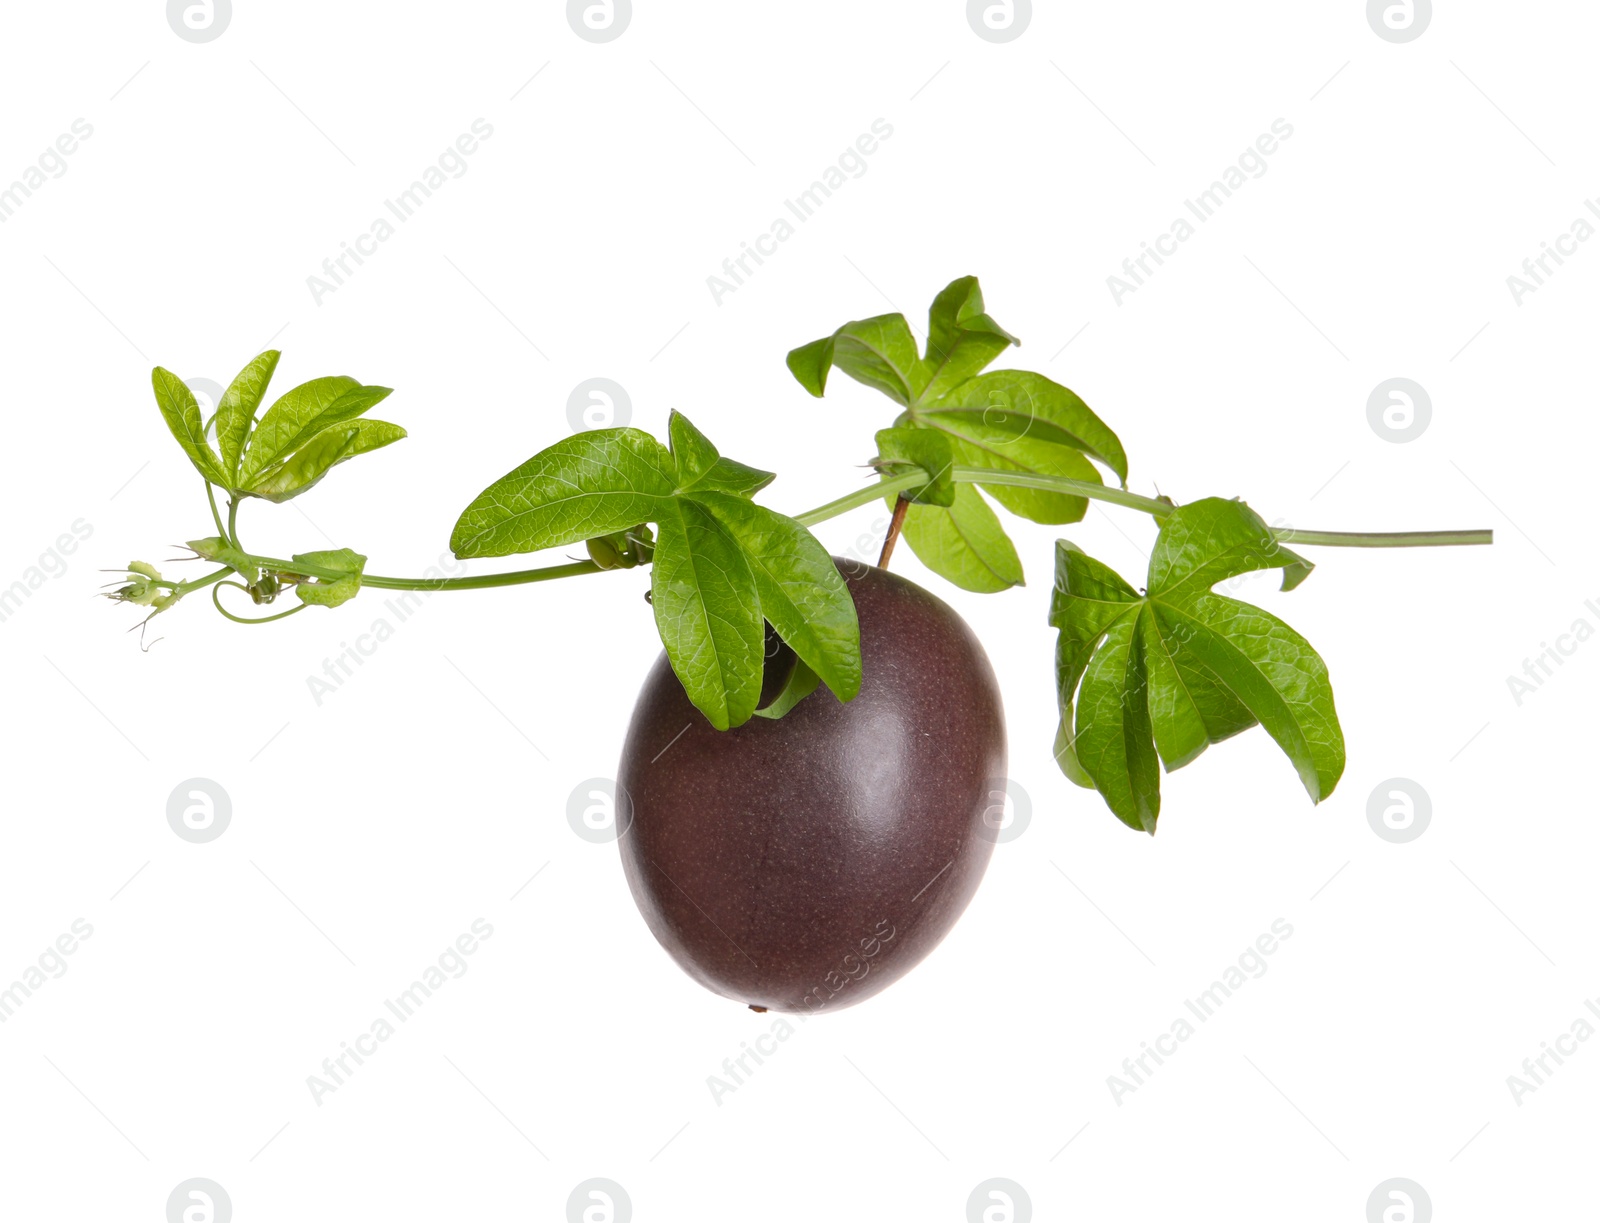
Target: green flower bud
607 552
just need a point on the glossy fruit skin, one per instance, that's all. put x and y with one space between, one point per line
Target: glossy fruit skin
804 864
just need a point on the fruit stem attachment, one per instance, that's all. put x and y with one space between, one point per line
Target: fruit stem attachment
901 505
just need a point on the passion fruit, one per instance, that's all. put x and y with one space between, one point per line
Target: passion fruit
807 862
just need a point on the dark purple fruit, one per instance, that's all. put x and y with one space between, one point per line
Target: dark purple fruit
808 862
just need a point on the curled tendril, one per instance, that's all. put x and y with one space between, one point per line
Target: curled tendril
216 600
145 646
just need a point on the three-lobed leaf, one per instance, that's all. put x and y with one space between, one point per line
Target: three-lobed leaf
722 564
1162 675
307 431
1007 420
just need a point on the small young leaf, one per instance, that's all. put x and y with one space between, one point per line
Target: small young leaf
707 610
1172 671
237 410
879 352
326 592
801 593
299 415
291 476
182 414
962 339
590 484
1297 570
901 450
964 543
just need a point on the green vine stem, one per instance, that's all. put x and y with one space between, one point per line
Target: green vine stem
863 496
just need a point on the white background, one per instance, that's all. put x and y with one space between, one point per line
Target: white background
372 829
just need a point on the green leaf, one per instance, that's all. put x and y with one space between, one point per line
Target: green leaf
708 612
1170 672
977 443
1206 542
182 414
902 450
802 682
880 352
326 592
299 415
962 339
964 543
728 476
691 449
1296 571
810 364
702 469
800 590
1087 599
1066 752
590 484
1030 405
1189 708
237 410
1113 727
291 476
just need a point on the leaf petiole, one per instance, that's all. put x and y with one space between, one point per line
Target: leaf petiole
862 496
216 517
